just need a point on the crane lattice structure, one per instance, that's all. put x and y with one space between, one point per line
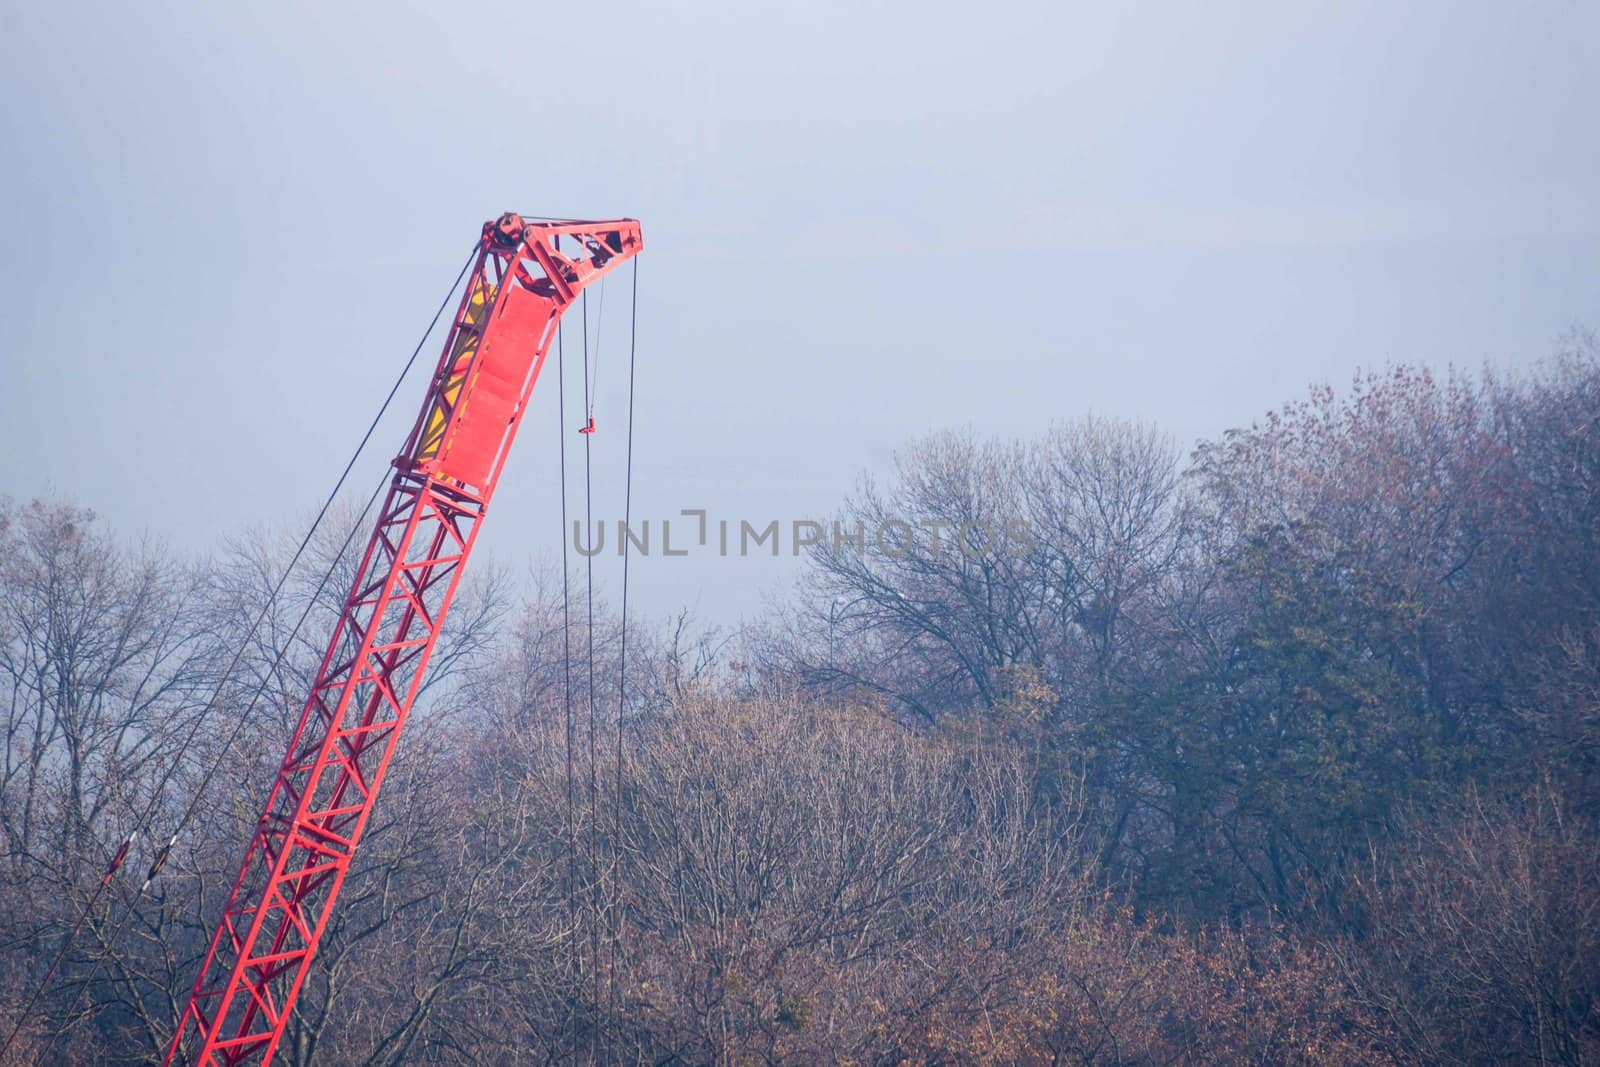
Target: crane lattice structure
526 275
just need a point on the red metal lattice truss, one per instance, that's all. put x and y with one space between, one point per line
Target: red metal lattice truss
525 276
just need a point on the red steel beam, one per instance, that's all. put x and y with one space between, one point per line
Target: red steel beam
525 276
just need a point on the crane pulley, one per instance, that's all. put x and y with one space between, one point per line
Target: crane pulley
525 276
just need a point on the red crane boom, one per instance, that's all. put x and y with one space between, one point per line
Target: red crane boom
525 276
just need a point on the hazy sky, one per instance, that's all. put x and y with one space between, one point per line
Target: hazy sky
226 225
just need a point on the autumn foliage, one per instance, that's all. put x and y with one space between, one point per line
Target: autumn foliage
1284 752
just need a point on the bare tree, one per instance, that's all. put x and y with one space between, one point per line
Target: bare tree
1482 933
104 662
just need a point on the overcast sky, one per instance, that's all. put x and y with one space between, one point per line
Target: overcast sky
226 225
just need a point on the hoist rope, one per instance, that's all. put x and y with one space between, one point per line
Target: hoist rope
566 660
355 528
94 898
116 934
194 730
599 324
600 911
594 751
622 656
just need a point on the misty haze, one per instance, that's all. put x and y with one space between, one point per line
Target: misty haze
867 534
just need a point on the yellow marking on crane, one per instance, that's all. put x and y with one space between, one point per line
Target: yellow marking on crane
466 348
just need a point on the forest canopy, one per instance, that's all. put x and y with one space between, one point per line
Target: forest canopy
1285 749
